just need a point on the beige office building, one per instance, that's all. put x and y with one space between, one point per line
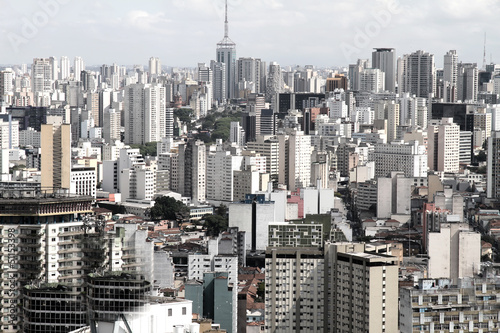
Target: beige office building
56 157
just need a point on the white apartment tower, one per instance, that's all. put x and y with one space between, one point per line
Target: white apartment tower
372 80
340 289
78 67
41 75
443 145
145 113
249 70
65 68
298 169
154 66
450 74
221 166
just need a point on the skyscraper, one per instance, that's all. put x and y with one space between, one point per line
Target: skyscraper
145 112
443 145
249 70
385 60
78 67
450 75
493 171
154 66
56 152
467 82
226 53
41 75
65 68
418 74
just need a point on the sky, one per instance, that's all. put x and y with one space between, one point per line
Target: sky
182 33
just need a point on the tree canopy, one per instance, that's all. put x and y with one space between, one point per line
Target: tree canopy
148 149
167 208
218 222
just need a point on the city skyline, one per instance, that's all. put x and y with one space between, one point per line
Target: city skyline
183 33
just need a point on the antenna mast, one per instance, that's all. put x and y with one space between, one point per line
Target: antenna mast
226 28
484 55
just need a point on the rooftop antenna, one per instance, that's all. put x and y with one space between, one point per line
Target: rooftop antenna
484 54
226 25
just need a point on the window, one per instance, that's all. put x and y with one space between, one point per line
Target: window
184 311
170 312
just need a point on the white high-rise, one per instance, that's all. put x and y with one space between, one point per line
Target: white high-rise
372 80
65 68
154 66
221 165
443 145
450 74
299 161
249 70
145 113
41 75
78 67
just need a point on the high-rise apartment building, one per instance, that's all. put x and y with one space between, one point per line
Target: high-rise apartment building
385 60
342 288
275 83
467 82
145 113
221 166
65 68
56 161
154 66
372 80
409 158
249 70
388 110
493 166
450 75
443 145
47 244
191 170
78 67
219 81
42 80
418 74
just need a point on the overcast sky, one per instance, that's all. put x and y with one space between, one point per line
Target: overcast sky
324 33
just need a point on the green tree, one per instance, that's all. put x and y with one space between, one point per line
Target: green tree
167 208
183 115
148 149
215 224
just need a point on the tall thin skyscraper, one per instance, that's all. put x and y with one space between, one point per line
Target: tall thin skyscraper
56 162
385 60
226 53
65 68
450 72
79 66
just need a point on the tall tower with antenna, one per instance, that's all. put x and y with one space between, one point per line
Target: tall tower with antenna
226 54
